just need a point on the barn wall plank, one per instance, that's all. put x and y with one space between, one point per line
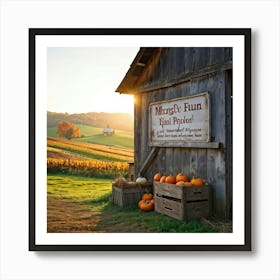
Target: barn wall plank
228 145
193 163
137 126
202 163
178 161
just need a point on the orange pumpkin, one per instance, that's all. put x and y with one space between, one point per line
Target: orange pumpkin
170 179
180 183
181 177
140 202
197 181
188 184
147 205
152 201
157 177
162 179
147 196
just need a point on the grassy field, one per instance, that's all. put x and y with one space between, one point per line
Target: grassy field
116 140
80 204
122 138
79 196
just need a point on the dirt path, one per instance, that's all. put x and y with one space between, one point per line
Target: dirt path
67 217
70 217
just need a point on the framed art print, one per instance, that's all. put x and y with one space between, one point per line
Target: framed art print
140 139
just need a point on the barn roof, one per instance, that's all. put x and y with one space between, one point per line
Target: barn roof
136 69
108 129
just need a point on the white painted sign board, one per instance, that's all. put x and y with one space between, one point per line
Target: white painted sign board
184 119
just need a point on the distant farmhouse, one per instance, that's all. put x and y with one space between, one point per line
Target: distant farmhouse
108 131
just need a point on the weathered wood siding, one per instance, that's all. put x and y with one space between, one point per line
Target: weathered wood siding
191 71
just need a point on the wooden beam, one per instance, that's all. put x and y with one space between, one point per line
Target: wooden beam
182 144
148 161
140 64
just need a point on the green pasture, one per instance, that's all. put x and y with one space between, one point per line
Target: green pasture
80 204
91 134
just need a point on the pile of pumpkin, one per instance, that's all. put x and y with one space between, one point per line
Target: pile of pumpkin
181 179
147 202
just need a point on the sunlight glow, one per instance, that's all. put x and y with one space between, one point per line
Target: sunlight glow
84 79
106 101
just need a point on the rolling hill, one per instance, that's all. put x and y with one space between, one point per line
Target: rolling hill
122 138
119 121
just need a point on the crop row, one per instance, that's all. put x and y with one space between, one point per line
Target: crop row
91 150
99 147
89 168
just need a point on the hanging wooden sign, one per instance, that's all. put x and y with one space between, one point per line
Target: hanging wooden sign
180 121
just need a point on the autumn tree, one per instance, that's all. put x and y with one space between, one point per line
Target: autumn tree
67 130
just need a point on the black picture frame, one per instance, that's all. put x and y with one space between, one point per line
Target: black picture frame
243 32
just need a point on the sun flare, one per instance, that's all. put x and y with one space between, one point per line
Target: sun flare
108 101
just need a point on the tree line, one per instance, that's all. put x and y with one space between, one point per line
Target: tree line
121 121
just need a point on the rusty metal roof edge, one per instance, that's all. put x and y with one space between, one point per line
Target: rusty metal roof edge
123 87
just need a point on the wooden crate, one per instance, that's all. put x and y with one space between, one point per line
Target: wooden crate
182 203
129 193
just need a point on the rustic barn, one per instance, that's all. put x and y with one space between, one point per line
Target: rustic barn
108 131
183 115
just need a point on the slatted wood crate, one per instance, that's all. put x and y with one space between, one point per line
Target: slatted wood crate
129 193
182 203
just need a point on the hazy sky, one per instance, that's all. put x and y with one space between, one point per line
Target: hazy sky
82 80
